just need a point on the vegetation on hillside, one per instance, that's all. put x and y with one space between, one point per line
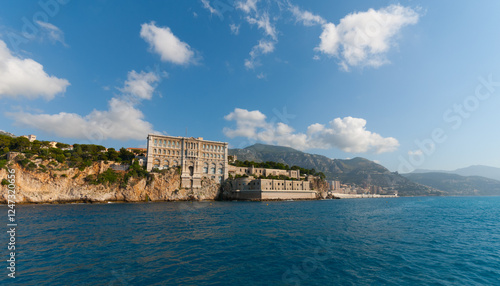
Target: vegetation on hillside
62 157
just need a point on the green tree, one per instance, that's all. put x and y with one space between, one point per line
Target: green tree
20 144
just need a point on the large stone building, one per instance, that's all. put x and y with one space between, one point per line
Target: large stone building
197 158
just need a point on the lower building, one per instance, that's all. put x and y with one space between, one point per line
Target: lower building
196 158
249 188
262 172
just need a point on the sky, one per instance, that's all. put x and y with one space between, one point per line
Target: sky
409 84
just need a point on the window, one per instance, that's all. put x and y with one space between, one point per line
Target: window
205 168
175 164
156 142
219 171
212 169
154 151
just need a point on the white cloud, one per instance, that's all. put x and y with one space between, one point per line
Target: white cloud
363 38
235 29
416 152
140 84
261 76
212 10
263 22
162 41
263 47
348 134
54 33
307 18
247 6
122 120
26 78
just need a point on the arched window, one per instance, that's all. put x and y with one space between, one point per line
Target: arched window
212 169
175 163
154 151
205 168
219 171
165 164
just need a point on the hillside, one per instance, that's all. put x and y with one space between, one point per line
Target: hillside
476 170
455 184
357 171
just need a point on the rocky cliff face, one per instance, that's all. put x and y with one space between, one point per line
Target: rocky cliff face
70 186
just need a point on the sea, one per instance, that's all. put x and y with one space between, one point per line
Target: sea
379 241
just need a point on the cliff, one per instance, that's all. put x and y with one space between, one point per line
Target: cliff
70 186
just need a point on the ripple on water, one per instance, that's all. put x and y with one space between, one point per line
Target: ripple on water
404 241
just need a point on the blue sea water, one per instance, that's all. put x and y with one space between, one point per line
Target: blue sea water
397 241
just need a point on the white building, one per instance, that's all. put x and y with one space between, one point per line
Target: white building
197 158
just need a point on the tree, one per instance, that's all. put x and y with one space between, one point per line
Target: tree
61 145
20 144
112 154
126 155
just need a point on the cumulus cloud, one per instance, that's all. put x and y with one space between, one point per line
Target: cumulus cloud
163 42
307 18
26 78
363 38
122 120
348 134
140 84
53 33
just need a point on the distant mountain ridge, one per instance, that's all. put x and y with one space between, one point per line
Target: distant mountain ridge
475 170
7 133
359 171
455 184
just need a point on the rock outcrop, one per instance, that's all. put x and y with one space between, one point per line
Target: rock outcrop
70 186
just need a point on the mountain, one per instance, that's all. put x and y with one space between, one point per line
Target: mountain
480 170
359 171
455 184
7 133
476 170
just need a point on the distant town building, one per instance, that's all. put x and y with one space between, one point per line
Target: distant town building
30 137
334 185
197 158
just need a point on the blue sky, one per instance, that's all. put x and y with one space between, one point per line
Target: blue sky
410 84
